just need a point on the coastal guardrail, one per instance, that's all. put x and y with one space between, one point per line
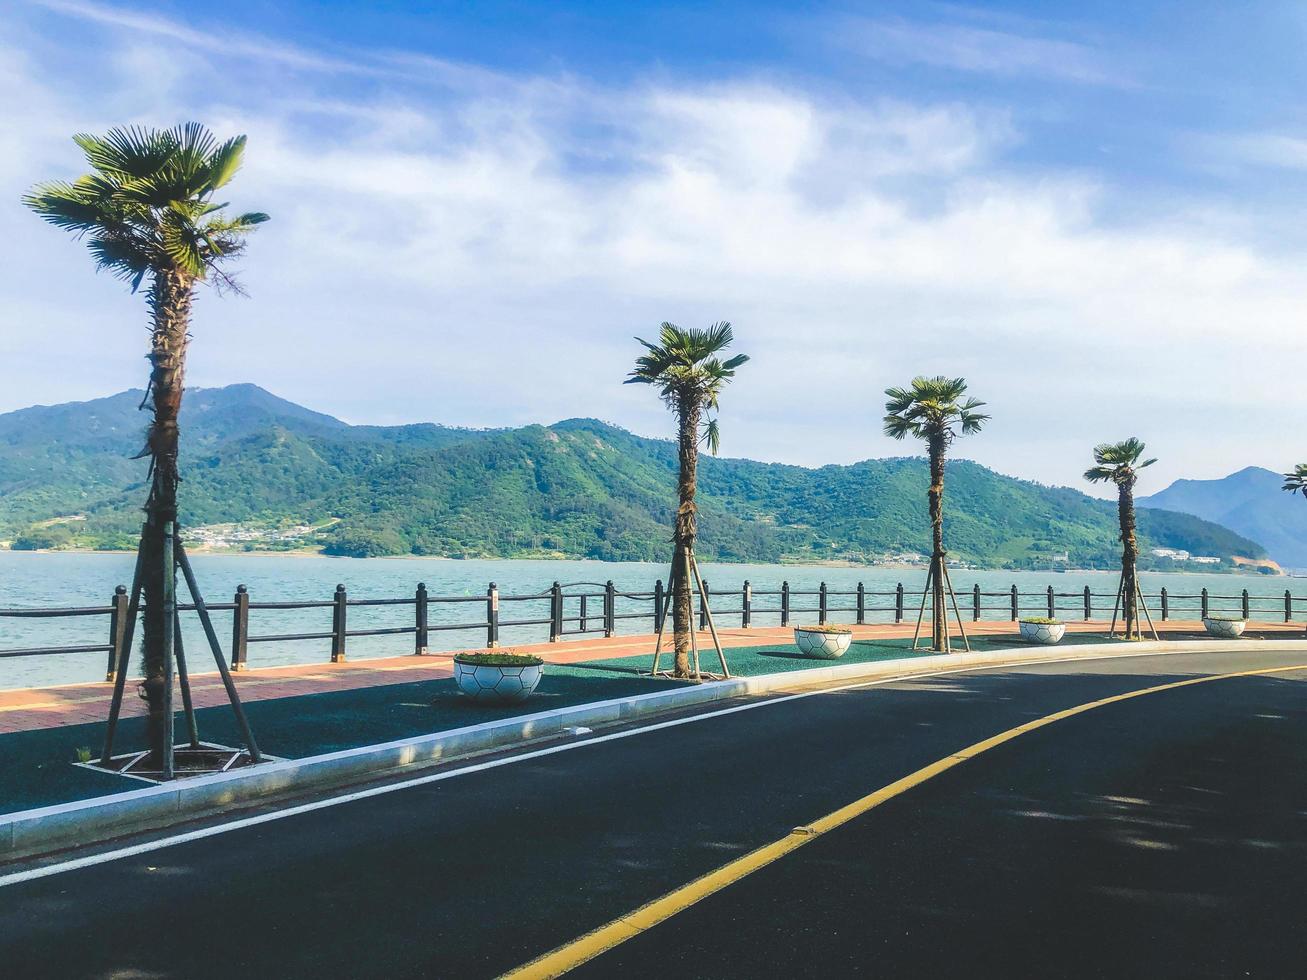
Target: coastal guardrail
581 608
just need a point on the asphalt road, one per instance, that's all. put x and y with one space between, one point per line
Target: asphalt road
1164 835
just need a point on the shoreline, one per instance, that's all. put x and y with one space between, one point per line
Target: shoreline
1241 571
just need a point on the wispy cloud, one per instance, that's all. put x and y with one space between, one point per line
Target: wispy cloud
1273 149
968 48
482 253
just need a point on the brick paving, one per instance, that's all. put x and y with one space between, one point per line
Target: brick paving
27 709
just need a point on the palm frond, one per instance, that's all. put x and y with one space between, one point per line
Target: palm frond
1296 481
712 436
146 206
931 408
1118 462
685 366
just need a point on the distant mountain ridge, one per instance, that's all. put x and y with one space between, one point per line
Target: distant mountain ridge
1249 502
578 488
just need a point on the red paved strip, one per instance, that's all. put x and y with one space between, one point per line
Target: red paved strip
26 709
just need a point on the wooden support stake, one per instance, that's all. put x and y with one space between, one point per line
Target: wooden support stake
241 721
184 681
948 580
169 624
712 627
921 613
125 651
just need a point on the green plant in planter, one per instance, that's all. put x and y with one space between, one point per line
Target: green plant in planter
1224 618
828 628
498 660
1041 621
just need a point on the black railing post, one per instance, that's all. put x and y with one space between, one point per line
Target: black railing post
785 603
339 612
585 613
821 604
898 603
862 604
1089 604
1288 606
1052 604
1016 605
1166 605
610 608
703 605
746 606
1247 613
975 602
240 629
658 605
420 640
118 630
555 613
1205 606
492 616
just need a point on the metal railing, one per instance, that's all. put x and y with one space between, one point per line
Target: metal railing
600 607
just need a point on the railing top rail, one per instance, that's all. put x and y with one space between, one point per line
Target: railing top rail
55 612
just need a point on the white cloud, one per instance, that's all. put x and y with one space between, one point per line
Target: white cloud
1264 149
962 47
482 255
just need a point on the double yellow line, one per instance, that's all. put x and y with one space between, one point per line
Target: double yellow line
573 954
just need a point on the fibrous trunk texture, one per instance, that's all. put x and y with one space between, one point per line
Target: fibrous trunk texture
1129 556
939 614
170 306
688 411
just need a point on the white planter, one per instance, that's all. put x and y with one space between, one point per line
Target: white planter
822 646
1225 628
497 685
1046 633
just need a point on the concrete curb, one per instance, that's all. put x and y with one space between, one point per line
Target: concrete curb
51 828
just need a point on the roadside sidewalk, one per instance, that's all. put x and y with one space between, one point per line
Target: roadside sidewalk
30 709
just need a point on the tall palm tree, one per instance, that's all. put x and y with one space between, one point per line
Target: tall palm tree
934 411
686 369
1120 463
148 214
1297 480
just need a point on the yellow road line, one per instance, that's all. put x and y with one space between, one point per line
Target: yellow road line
573 954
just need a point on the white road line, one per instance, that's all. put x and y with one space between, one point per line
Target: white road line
18 877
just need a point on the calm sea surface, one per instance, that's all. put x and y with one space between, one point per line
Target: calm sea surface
31 579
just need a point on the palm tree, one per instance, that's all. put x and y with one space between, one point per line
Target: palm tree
1297 480
1119 463
148 214
685 368
933 410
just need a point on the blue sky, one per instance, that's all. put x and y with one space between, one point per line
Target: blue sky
1094 212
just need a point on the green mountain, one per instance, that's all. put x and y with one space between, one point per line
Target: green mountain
1251 503
288 477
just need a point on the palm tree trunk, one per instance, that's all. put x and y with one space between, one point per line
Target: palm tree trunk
688 413
1129 556
170 306
939 613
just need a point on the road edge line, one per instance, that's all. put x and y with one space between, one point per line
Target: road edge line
41 830
586 947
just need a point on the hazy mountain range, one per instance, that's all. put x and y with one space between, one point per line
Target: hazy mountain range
285 476
1249 502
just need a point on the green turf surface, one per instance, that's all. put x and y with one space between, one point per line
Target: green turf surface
780 657
38 769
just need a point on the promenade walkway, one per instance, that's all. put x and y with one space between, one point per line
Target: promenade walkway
30 709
